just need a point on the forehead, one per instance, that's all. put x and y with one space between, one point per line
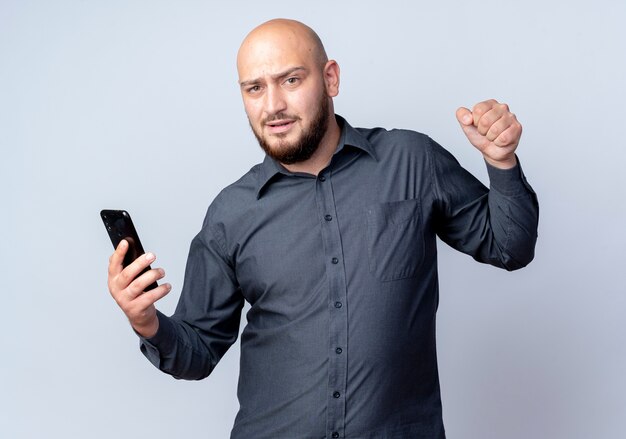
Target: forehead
270 53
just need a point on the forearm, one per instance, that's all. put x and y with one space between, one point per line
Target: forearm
513 216
497 226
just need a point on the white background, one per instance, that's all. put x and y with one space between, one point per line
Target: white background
135 105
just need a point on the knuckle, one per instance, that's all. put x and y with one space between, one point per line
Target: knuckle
114 287
128 291
112 269
486 105
124 277
133 289
111 265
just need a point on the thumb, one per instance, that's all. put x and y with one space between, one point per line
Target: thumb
464 116
466 119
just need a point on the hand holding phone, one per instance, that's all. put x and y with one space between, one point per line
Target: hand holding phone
120 226
131 280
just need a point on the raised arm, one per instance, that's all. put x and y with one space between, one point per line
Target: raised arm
496 225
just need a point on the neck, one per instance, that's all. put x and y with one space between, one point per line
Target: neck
322 156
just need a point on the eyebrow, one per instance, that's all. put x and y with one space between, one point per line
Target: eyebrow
275 76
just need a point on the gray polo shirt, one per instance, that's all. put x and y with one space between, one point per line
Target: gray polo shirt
340 271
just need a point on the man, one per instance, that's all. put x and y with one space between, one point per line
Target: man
332 242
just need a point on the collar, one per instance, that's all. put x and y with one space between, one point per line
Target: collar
350 137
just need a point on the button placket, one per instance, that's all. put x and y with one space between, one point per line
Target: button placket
338 323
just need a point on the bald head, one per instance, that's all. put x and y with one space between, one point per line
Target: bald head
281 37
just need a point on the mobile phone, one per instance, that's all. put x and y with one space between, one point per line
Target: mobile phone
120 226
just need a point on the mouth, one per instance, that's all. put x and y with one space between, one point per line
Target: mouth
280 126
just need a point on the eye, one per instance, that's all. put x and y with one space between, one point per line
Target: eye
253 89
292 81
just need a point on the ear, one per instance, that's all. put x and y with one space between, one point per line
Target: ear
331 78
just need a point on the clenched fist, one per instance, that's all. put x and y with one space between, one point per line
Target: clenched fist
493 130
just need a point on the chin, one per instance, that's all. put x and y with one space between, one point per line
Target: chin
281 142
282 149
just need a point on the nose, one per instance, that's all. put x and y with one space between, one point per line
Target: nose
274 101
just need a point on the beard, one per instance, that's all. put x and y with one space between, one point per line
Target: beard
302 148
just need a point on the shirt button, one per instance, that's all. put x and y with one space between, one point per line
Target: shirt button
336 395
321 178
335 434
328 218
334 260
339 351
338 305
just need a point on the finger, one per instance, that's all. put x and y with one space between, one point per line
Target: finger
510 136
138 286
476 139
496 112
465 119
149 298
464 116
116 259
134 268
500 125
481 108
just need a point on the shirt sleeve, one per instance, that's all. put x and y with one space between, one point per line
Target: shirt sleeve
189 344
498 225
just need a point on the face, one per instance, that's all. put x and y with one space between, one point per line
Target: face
285 97
297 145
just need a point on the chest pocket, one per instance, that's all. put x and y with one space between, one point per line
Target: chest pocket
395 239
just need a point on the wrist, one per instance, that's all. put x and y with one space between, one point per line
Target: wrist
506 163
147 330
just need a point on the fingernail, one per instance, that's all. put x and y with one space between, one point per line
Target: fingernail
467 119
150 256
